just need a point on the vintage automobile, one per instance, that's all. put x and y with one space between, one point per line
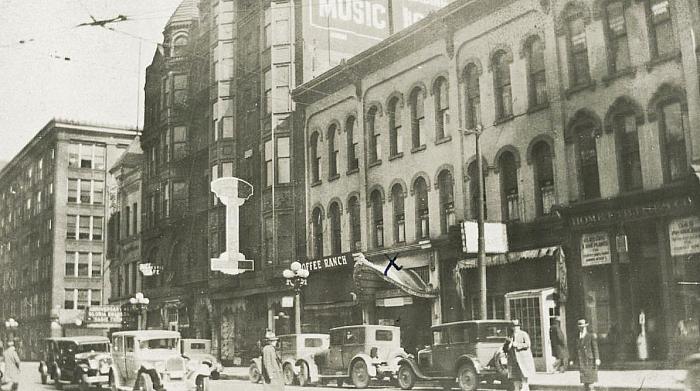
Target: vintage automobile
469 351
295 350
149 360
84 361
357 354
200 350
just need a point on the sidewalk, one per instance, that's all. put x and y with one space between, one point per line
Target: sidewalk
639 380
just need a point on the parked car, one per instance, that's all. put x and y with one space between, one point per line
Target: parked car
200 350
150 359
84 361
467 351
358 354
295 351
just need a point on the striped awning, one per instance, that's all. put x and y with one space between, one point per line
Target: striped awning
511 257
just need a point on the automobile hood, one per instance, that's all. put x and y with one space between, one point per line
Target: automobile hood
93 356
154 355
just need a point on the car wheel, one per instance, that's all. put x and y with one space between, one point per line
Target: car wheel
202 383
303 377
359 374
215 375
84 385
340 382
254 373
288 374
406 377
145 383
44 378
467 378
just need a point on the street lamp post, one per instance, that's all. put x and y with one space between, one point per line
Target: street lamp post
139 303
11 325
296 278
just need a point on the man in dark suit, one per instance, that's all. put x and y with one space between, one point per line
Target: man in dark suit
559 348
587 353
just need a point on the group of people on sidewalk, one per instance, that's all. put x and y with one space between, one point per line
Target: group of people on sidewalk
521 365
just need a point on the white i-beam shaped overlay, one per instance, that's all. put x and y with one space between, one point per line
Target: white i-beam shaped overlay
231 261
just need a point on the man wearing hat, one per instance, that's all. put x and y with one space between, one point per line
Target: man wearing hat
559 348
521 365
273 378
587 353
12 370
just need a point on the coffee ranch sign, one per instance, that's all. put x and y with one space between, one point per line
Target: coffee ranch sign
332 262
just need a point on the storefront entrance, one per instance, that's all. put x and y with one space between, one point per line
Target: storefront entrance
412 315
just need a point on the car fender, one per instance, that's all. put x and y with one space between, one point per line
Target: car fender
466 358
43 368
57 372
394 358
201 370
292 363
313 368
410 361
371 369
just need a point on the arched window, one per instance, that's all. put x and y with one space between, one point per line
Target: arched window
587 159
442 107
374 134
332 152
315 158
447 202
501 81
336 235
616 34
377 218
471 76
624 123
579 72
317 231
417 117
545 197
473 175
353 143
673 120
537 80
510 205
179 45
662 38
397 199
420 190
355 224
395 134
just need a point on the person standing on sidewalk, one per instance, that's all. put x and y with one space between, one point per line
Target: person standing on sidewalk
587 354
12 362
273 378
521 365
559 348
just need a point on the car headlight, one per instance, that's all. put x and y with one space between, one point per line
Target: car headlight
93 364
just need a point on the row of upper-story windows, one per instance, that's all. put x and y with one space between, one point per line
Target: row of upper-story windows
86 191
84 155
169 200
84 227
83 264
126 222
172 146
81 298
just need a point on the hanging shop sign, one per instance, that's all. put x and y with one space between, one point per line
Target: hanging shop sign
595 249
684 236
103 316
330 262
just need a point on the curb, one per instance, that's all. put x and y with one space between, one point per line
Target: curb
579 387
227 376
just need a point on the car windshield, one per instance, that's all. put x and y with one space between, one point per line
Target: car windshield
158 343
493 332
92 347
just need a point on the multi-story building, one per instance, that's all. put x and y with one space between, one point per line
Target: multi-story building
588 121
124 226
52 238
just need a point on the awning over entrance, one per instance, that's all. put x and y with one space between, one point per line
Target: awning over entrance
369 278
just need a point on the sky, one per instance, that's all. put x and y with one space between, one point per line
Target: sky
100 83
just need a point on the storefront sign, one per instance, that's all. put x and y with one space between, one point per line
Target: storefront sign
331 262
103 316
595 249
495 237
646 210
684 235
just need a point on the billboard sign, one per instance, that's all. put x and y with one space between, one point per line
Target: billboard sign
595 249
105 316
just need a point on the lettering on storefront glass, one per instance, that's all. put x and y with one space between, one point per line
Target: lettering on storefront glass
332 262
595 249
684 236
652 209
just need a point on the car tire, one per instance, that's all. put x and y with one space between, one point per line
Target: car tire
44 378
144 382
303 377
215 375
340 382
254 374
288 374
202 383
83 385
467 377
359 374
406 377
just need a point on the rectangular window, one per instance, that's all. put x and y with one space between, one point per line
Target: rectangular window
98 192
84 232
674 123
95 297
127 221
268 92
226 169
85 190
71 232
72 190
86 155
663 41
96 270
227 125
165 203
179 197
179 142
135 220
69 299
618 49
180 89
70 264
83 264
578 49
73 155
628 150
282 31
97 228
283 160
83 300
268 163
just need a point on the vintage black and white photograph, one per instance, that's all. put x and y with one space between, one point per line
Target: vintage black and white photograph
269 195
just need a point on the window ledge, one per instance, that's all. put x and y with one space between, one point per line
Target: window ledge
418 148
630 71
656 61
333 177
353 171
314 184
443 140
396 156
590 86
375 163
538 107
503 119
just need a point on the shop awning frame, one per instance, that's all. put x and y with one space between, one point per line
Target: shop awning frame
369 277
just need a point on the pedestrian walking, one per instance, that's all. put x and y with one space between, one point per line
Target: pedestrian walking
273 378
559 348
521 365
587 354
12 362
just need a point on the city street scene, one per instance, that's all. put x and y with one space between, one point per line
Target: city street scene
466 195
